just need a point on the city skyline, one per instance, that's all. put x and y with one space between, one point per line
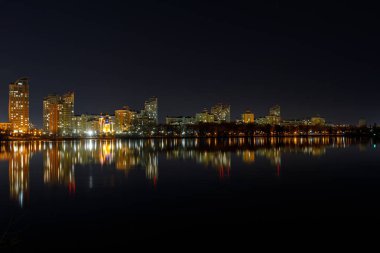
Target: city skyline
64 104
311 58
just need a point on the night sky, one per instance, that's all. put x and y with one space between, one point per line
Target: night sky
310 57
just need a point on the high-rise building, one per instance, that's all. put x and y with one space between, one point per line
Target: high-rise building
58 114
221 112
120 118
151 110
50 113
274 117
18 107
66 114
123 119
248 117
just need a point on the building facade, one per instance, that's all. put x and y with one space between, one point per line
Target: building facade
106 124
5 128
124 119
67 114
150 112
18 107
50 113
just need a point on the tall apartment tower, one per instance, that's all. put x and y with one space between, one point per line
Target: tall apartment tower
51 108
67 114
123 119
18 107
58 114
151 109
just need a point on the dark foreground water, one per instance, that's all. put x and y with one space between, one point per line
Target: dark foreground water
102 193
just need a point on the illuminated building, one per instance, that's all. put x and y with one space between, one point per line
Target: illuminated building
18 107
120 120
91 125
58 114
124 119
248 117
180 120
106 124
86 124
274 117
205 117
261 121
150 112
51 114
79 124
5 128
295 122
67 114
221 112
317 121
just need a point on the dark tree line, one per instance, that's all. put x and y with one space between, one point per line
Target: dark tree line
232 129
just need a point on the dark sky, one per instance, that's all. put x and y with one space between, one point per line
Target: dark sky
311 57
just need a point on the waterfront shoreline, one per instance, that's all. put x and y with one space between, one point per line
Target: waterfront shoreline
182 137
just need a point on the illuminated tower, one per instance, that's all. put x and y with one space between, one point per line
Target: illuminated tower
18 107
151 109
58 114
120 118
66 114
51 114
123 119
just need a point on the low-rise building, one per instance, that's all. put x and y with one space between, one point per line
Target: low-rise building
5 127
204 117
179 120
317 121
248 117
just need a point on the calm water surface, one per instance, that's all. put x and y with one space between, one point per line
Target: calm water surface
94 193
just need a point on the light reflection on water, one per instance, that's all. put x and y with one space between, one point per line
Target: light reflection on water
61 159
